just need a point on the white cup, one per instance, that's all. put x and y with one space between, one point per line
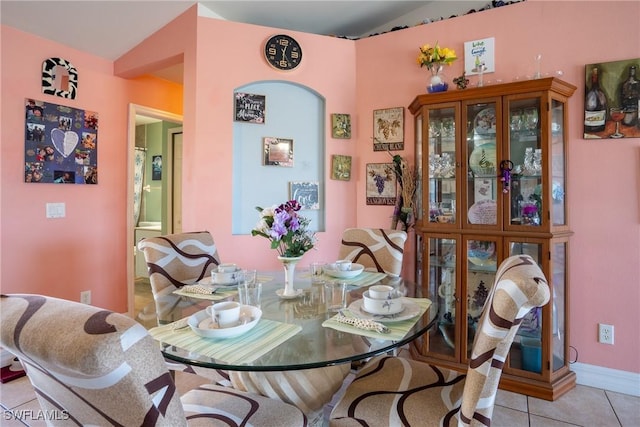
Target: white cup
227 268
382 292
225 314
343 265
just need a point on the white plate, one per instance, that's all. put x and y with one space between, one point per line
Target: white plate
410 310
202 324
486 165
339 274
207 281
280 293
485 122
483 212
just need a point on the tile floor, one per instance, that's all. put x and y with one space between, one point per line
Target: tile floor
583 406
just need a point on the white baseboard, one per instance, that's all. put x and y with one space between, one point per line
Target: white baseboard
607 378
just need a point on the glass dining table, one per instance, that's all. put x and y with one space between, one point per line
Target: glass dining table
310 355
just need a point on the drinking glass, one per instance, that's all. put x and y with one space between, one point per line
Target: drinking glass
335 296
617 114
250 293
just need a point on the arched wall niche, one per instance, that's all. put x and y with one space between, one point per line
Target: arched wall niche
291 112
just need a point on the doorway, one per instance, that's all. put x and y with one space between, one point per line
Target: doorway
153 196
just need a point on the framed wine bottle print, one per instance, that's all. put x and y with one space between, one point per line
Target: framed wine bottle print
612 100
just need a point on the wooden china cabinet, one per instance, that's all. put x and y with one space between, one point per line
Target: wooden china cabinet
493 162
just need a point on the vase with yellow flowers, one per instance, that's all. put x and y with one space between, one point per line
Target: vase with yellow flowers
435 58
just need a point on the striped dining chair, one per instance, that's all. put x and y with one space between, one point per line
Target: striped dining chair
175 260
91 366
392 391
374 248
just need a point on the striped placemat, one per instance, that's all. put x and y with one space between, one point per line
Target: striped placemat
264 337
397 330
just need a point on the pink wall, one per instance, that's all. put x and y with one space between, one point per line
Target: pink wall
604 175
86 249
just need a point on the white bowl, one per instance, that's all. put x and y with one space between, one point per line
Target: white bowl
332 271
202 324
382 306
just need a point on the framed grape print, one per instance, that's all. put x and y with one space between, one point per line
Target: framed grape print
381 184
278 152
611 103
388 129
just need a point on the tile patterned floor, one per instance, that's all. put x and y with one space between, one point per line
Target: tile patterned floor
583 406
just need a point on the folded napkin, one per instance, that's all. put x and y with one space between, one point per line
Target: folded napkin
200 292
396 330
264 337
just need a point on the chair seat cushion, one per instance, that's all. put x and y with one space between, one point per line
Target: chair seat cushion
392 391
212 405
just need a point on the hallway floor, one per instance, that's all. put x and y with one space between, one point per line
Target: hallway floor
583 406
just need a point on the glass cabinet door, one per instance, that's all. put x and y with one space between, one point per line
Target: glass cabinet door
558 283
482 259
526 351
482 158
526 160
442 290
442 162
558 177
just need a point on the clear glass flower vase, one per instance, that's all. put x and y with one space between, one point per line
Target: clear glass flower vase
437 81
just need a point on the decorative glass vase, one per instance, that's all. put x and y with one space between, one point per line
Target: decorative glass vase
437 82
289 264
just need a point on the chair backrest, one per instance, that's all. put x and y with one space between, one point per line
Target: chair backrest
375 248
520 285
175 260
89 366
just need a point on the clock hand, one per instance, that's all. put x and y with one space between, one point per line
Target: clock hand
284 52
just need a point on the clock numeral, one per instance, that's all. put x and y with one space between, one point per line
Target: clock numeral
283 63
283 42
271 51
294 55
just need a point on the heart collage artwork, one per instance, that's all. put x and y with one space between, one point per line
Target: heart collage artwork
61 144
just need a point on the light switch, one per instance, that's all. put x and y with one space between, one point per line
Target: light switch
56 210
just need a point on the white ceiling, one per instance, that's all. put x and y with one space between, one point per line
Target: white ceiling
109 29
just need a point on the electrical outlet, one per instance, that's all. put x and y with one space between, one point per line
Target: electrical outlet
605 333
85 297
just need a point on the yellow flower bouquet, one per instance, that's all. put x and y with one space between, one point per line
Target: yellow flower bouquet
436 55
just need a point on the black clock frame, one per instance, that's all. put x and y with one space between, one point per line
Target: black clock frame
283 52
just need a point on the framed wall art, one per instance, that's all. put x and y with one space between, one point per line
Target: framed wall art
612 94
250 107
278 151
381 184
388 129
479 53
307 193
341 167
156 168
61 144
59 78
341 126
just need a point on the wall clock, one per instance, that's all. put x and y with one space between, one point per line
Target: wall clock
283 52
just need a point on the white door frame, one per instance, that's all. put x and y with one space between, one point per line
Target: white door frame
135 110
